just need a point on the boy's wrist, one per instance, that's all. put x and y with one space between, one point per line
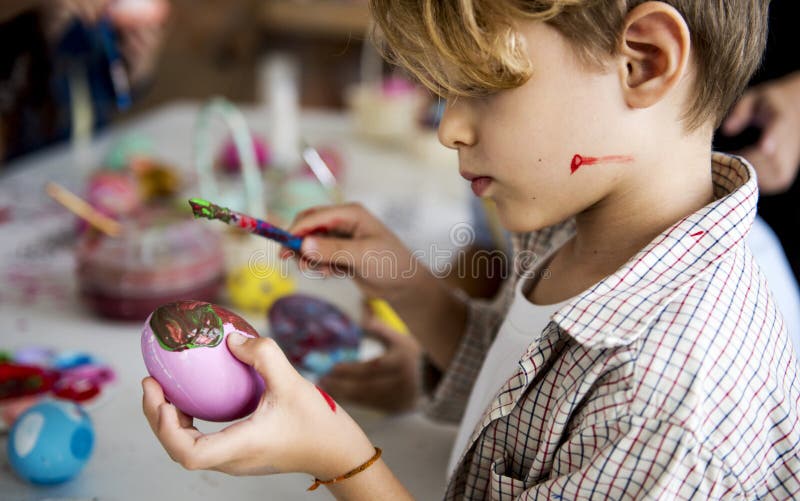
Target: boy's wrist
376 482
344 459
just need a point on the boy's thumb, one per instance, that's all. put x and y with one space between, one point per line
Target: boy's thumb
263 355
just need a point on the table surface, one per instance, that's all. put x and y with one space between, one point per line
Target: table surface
39 304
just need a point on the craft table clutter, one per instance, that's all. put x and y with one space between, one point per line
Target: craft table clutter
55 283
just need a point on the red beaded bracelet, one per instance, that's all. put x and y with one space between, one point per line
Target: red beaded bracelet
351 473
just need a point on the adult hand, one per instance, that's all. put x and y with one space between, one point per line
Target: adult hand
140 47
141 31
293 429
774 107
347 240
57 14
390 382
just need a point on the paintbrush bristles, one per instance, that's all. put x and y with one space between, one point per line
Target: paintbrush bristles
208 210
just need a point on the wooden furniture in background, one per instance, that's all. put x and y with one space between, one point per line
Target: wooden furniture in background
316 17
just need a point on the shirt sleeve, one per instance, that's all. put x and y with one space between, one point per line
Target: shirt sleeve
629 458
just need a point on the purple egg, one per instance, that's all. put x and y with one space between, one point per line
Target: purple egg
184 349
314 334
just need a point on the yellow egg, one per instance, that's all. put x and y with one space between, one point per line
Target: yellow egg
256 289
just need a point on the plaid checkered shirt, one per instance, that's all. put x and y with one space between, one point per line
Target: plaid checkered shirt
672 378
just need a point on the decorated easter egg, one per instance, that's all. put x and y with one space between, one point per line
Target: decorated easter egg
228 160
123 150
115 194
255 289
314 334
50 442
184 349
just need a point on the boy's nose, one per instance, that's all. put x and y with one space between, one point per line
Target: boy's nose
455 127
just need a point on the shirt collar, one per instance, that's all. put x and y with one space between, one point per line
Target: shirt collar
615 311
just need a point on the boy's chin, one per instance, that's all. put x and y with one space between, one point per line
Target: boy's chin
517 221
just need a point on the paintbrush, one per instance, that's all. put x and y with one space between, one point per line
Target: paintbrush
204 208
380 308
82 209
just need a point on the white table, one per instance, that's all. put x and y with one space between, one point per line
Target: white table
39 307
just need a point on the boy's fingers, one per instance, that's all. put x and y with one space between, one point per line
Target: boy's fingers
152 398
264 355
192 449
342 219
378 329
343 253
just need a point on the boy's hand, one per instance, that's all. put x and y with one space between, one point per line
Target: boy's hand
294 428
774 107
348 240
390 382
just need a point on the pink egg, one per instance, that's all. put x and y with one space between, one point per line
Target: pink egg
184 349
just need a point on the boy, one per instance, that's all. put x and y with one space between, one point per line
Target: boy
638 352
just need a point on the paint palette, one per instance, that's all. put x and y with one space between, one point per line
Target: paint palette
314 334
228 160
32 373
184 349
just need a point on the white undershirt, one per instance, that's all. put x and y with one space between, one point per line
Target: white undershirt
523 324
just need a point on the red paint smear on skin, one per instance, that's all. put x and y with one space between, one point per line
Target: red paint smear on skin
5 215
327 398
317 230
579 161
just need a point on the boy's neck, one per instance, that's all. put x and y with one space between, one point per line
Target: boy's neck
656 195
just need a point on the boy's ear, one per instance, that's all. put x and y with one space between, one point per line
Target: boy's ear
654 54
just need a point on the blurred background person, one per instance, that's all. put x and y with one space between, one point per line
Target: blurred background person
764 127
53 51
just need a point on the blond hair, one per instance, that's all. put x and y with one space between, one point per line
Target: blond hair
471 48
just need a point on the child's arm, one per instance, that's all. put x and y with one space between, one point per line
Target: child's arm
348 240
296 428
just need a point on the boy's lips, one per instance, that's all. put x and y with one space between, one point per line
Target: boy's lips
479 183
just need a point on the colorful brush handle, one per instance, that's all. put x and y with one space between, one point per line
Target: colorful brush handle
208 210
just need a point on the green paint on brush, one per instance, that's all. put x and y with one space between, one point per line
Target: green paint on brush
204 208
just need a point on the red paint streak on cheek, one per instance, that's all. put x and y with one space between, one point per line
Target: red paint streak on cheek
579 161
327 398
